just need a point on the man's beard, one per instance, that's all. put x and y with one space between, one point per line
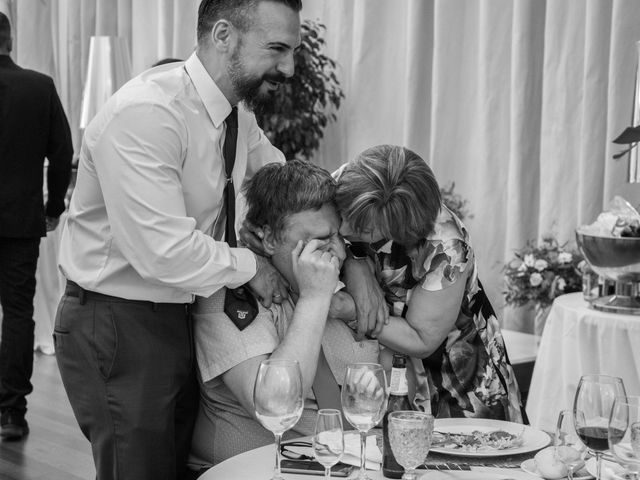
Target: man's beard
247 86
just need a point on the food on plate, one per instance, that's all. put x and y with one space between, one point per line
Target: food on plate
621 219
477 441
551 461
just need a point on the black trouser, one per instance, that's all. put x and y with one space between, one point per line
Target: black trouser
128 369
18 262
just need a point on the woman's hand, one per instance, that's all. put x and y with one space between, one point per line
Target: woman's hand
371 307
342 307
316 270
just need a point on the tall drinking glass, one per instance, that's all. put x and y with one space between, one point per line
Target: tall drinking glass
566 436
328 439
364 401
624 434
277 398
592 409
410 436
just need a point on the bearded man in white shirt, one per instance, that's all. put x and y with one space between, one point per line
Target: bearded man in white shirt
148 230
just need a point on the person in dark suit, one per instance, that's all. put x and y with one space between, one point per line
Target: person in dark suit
32 126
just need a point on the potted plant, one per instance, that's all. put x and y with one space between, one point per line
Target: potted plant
307 102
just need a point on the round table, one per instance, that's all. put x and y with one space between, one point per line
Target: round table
579 340
258 464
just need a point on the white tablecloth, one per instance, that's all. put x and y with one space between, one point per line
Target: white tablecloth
578 340
50 285
258 464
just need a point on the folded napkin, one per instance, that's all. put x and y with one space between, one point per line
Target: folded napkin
351 455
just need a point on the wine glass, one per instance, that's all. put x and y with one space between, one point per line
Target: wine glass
624 434
591 411
566 436
328 439
364 401
410 434
277 398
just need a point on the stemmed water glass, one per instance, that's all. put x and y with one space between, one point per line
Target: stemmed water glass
364 401
410 435
592 409
566 436
624 434
328 439
277 398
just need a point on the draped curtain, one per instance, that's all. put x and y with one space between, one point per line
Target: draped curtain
516 101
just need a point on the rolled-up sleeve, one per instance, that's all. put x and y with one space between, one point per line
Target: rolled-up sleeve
139 166
220 345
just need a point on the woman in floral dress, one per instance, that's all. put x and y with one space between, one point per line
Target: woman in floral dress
423 259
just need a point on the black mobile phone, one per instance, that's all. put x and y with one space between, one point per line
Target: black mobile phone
310 467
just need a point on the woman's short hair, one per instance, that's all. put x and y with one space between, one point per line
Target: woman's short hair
279 190
392 189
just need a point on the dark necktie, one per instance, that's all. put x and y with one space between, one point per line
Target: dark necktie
326 389
229 153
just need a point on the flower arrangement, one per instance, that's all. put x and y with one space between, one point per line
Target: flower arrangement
540 273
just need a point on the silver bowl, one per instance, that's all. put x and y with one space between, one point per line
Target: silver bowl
617 258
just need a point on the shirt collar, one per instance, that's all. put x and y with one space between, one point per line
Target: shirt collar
216 104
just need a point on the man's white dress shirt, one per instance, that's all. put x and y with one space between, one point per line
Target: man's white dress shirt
149 190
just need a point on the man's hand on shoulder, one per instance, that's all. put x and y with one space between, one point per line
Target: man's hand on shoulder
267 284
251 236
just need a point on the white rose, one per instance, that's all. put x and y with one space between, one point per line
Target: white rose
540 265
561 284
529 260
565 257
535 279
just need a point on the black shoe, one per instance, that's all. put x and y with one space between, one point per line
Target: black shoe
13 426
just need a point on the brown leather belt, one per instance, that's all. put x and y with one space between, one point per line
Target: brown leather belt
74 290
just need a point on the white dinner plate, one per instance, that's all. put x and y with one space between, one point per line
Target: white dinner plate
610 470
530 466
532 439
481 474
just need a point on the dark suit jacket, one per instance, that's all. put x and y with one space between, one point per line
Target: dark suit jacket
32 126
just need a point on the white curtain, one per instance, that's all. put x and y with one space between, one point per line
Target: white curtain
516 101
52 36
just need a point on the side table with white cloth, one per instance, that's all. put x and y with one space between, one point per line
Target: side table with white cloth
50 285
579 340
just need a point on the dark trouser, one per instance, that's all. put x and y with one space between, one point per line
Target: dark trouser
18 262
128 369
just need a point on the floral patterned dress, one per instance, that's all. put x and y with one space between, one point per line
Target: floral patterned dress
469 375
